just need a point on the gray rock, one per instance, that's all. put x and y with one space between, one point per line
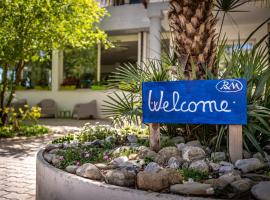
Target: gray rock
242 185
218 156
120 177
168 152
191 153
181 146
103 166
248 165
193 189
110 139
90 171
132 139
199 165
50 147
174 163
72 169
214 166
225 167
229 178
54 151
132 166
119 160
158 181
178 139
194 143
152 167
70 145
145 152
56 159
217 183
261 191
48 157
95 143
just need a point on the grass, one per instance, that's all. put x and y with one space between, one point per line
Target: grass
25 130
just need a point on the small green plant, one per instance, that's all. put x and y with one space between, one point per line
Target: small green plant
100 132
67 138
82 155
167 143
196 175
148 159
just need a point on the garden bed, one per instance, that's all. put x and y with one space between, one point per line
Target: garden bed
117 157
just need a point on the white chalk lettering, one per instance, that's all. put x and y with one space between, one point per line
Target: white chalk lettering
192 106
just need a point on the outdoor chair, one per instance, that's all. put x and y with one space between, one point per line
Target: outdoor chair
48 108
85 110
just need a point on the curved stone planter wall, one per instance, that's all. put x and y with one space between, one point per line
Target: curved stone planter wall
55 184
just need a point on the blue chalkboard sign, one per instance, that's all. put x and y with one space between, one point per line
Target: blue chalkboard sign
195 102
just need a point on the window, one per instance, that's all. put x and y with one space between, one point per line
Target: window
37 74
125 51
80 68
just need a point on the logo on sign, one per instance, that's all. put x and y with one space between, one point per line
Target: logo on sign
229 86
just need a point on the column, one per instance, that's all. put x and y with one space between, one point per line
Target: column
154 37
139 54
57 69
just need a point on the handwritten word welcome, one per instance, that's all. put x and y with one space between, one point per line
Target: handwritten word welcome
176 106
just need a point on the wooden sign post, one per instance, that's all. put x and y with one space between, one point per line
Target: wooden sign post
154 137
197 102
235 142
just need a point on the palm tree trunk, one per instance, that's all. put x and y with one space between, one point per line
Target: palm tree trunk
193 27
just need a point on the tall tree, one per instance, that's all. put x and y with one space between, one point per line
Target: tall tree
193 27
31 26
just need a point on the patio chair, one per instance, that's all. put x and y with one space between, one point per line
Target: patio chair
48 108
85 110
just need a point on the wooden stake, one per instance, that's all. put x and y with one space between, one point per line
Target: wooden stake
154 137
235 142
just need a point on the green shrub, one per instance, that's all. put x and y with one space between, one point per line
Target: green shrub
25 130
196 175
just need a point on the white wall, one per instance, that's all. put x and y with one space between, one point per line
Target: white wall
243 30
66 100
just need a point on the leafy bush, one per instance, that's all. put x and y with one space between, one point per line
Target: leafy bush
16 118
25 130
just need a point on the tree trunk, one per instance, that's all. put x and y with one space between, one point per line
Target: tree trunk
14 84
3 91
193 27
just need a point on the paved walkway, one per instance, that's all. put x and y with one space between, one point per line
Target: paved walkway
18 163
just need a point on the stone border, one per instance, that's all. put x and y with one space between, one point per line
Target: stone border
55 184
